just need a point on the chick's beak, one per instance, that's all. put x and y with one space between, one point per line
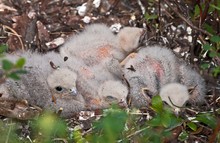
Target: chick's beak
122 103
73 91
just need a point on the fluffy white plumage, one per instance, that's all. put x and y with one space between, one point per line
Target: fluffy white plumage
90 74
129 38
38 86
94 55
193 81
63 80
113 91
153 67
176 93
95 85
149 69
98 46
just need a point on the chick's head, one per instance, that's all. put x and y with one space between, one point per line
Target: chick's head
129 38
113 92
62 82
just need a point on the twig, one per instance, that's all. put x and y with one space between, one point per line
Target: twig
159 17
191 110
15 33
135 133
198 138
187 21
60 139
9 131
146 114
115 3
205 11
142 7
192 47
215 101
86 132
28 137
215 133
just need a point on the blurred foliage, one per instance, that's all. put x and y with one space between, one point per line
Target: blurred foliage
110 127
3 48
213 49
7 131
115 125
212 45
49 128
10 69
149 17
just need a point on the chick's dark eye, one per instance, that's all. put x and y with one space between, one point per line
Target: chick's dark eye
110 98
58 88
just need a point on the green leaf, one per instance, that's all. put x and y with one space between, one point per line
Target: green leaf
183 136
192 126
166 120
196 11
215 39
209 28
150 17
9 132
175 121
207 119
78 137
207 47
212 54
217 8
7 65
50 126
20 71
3 48
156 121
205 66
157 104
20 63
110 127
216 71
156 139
211 9
13 76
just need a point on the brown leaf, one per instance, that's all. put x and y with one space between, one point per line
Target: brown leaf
43 34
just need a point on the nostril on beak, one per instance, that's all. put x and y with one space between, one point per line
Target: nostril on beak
73 91
122 103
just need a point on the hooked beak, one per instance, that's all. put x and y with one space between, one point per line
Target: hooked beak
122 103
73 91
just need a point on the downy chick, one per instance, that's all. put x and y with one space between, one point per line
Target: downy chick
62 81
99 89
146 71
152 68
34 86
175 95
114 92
194 82
97 45
99 86
95 54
